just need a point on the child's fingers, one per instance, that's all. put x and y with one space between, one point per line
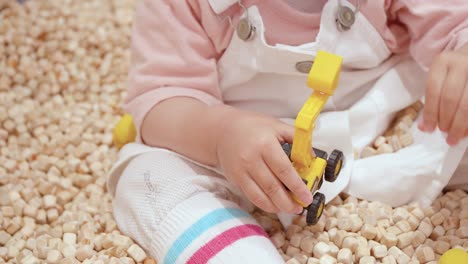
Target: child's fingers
282 168
274 189
436 79
459 126
286 132
256 195
450 96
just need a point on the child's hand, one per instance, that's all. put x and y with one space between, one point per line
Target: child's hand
447 96
251 155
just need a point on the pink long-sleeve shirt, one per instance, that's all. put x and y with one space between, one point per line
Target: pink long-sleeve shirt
176 43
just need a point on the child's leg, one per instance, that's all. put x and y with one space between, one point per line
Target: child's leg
182 213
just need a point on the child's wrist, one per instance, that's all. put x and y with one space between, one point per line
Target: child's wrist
224 115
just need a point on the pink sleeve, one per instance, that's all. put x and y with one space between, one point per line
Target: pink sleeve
433 26
172 55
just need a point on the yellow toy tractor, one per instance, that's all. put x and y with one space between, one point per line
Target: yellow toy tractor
312 164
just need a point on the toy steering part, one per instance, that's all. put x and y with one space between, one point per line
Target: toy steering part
312 164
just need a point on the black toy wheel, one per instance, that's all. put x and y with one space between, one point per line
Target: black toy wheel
315 209
334 164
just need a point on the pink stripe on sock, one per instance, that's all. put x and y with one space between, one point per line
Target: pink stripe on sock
223 240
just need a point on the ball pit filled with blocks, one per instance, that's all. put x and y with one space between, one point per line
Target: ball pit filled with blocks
63 70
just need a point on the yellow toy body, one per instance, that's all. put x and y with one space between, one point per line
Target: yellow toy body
323 78
454 256
124 131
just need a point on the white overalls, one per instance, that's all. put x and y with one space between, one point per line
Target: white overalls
161 197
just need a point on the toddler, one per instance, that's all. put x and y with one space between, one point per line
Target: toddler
215 85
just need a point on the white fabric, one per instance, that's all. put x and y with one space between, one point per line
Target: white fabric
416 173
221 6
459 177
373 86
161 193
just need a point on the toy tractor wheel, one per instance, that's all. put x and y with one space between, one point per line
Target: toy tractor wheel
334 164
315 209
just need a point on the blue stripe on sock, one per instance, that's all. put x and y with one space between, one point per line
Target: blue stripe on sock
209 220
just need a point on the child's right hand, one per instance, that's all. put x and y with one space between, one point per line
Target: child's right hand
249 151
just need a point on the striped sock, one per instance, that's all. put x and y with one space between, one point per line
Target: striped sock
206 229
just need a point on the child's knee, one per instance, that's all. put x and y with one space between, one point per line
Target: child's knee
154 181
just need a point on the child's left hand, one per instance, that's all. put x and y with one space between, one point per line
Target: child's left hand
446 103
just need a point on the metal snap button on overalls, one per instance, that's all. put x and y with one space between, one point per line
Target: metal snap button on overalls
245 30
345 18
304 66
